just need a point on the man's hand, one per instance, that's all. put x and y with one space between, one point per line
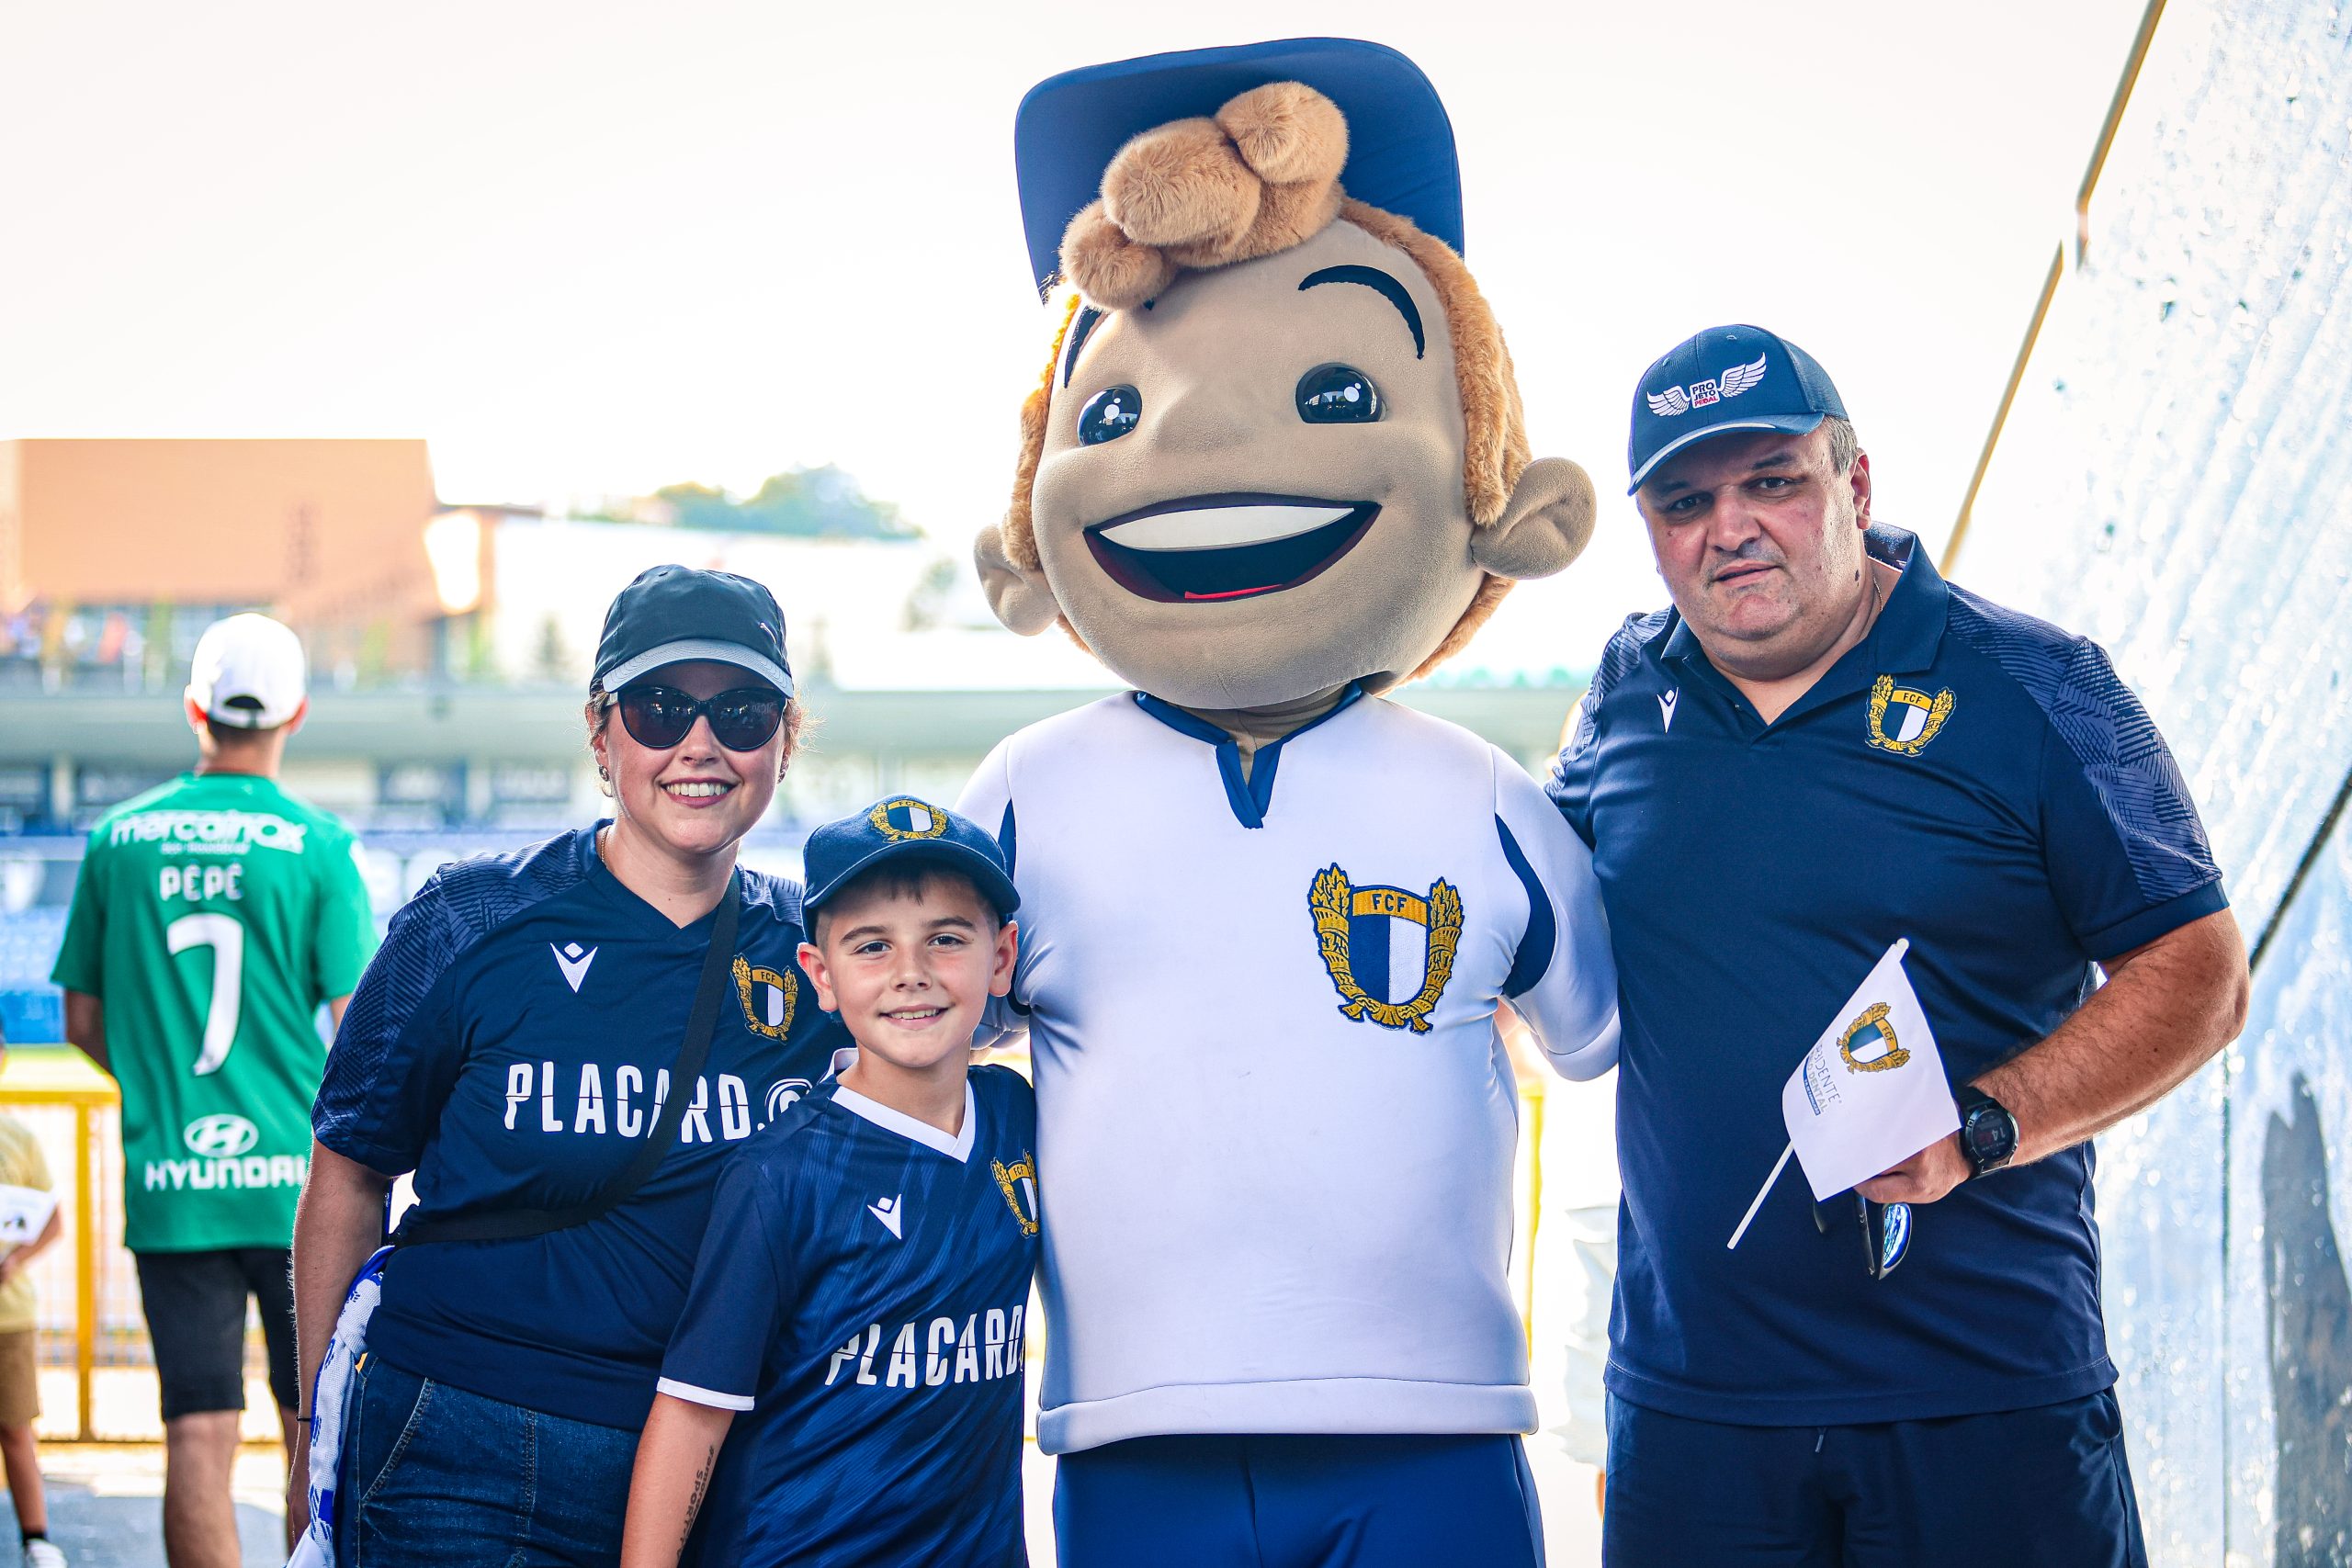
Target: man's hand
1924 1178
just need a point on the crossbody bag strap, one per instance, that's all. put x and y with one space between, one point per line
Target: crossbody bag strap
512 1224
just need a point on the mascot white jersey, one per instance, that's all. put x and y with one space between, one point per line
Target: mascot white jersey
1276 465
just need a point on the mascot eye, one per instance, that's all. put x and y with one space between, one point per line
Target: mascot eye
1109 415
1338 394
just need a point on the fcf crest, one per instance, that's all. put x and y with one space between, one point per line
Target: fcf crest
1869 1044
1389 953
1903 720
768 999
907 819
1018 1182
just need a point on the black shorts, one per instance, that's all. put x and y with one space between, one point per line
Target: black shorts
2042 1487
195 1319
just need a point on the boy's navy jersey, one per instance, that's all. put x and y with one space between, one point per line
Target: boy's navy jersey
861 1292
1968 777
510 1045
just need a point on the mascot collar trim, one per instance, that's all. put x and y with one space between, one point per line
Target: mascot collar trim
1253 798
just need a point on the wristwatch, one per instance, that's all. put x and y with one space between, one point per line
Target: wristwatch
1988 1134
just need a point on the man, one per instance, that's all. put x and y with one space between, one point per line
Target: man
212 916
1822 748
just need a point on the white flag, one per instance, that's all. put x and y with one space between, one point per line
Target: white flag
1870 1093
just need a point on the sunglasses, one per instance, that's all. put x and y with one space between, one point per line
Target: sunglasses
1885 1227
742 720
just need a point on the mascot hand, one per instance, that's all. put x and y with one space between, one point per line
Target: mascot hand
1018 594
1545 526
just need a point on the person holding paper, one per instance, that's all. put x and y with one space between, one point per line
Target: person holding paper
28 1226
1821 753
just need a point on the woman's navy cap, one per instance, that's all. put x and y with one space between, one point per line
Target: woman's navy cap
903 827
1722 379
1400 144
670 613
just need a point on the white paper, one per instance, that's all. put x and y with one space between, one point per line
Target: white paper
24 1213
1871 1092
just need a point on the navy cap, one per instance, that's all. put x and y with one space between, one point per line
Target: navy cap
903 827
1724 379
670 613
1400 144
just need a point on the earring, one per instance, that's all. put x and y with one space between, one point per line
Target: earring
604 773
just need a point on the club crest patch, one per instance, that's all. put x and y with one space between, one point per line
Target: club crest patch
1382 943
1018 1182
908 819
1707 391
1869 1044
1915 717
768 999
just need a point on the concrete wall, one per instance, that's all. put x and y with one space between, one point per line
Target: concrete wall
2176 481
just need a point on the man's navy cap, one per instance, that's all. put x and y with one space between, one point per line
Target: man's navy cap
903 827
1722 379
1400 144
674 613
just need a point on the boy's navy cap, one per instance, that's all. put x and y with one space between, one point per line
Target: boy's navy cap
674 613
1400 144
1725 379
903 827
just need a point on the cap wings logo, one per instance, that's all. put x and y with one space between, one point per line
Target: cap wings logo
1917 716
769 999
1709 389
1018 1182
1358 930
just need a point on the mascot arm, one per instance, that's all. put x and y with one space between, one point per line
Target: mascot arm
988 800
1571 1003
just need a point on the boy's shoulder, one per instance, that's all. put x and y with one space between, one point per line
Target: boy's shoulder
998 1083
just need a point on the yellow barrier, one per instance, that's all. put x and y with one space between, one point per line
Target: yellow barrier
61 1078
64 1078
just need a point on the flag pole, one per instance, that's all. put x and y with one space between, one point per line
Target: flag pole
1777 1166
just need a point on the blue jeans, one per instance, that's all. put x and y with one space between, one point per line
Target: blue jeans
435 1477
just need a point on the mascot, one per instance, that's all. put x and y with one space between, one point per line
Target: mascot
1276 466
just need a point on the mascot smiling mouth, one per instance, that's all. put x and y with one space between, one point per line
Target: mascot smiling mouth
1203 547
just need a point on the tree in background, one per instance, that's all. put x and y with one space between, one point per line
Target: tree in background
802 503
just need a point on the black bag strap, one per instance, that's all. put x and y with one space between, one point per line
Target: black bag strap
513 1225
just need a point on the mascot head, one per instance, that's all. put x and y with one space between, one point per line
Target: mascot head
1277 445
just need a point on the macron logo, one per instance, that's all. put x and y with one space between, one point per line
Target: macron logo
889 1211
572 961
1665 711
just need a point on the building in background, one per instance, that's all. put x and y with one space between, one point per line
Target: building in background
2175 479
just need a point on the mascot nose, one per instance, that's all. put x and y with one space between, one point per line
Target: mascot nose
1205 417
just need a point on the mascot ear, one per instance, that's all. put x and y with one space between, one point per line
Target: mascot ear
1545 525
1017 593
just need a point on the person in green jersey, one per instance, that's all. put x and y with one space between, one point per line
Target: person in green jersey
212 916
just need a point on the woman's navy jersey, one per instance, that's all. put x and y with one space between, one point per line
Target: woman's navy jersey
510 1045
861 1292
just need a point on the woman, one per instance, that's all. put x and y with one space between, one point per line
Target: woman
511 1044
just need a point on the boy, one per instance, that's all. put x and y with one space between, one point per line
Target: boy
861 1289
23 1173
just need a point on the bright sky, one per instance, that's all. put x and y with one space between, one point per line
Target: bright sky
587 248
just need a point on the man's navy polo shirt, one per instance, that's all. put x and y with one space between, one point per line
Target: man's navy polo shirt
1967 777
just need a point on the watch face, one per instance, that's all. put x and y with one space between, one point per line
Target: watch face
1991 1135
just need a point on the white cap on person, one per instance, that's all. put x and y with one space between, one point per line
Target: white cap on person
249 672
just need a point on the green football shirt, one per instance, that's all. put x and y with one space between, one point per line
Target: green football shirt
212 916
